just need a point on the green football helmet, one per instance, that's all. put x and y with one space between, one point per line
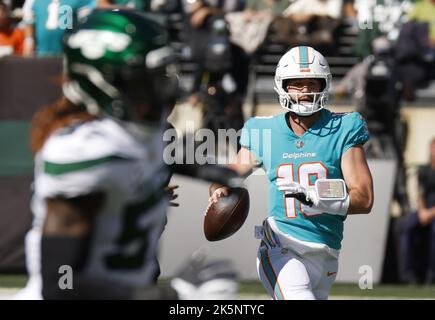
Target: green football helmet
119 64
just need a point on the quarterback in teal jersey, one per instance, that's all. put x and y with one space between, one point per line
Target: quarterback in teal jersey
317 172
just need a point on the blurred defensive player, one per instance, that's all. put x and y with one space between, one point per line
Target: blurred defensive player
99 192
317 174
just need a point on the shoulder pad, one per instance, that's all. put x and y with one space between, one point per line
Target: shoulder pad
87 141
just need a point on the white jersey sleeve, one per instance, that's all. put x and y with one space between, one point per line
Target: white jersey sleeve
81 159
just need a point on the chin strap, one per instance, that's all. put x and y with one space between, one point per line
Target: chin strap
287 102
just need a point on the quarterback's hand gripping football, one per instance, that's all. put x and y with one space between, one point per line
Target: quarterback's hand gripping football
327 196
220 192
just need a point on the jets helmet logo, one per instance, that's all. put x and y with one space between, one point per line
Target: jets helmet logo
94 43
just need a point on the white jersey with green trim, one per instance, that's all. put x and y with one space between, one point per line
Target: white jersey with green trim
101 156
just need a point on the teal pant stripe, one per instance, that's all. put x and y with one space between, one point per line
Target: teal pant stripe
268 270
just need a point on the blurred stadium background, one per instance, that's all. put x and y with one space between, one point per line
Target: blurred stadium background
26 83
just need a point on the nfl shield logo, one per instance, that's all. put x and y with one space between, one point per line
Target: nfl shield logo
299 144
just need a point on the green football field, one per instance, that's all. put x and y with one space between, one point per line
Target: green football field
352 291
9 284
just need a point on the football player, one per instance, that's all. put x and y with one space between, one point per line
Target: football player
318 174
99 192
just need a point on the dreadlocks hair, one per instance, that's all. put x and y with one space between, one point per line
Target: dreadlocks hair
60 114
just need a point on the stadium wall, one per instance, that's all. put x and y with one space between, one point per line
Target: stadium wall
25 85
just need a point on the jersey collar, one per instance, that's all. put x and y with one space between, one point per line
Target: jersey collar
283 124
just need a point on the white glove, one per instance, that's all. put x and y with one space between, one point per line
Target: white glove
310 197
295 190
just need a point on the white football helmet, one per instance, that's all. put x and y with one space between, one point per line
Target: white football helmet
302 62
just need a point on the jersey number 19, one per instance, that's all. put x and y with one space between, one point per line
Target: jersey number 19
306 175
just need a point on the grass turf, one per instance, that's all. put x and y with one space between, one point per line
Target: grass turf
252 288
380 291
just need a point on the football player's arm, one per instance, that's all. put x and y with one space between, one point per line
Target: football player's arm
358 180
66 240
244 164
209 172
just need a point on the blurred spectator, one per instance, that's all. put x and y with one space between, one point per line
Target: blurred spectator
305 10
349 10
415 51
424 11
12 4
17 3
354 82
46 21
11 38
250 27
131 4
159 8
375 89
368 27
262 7
309 22
222 67
350 15
376 18
15 6
417 239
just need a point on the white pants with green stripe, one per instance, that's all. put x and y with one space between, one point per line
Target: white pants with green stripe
289 276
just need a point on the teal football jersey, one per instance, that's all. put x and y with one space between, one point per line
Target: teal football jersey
314 155
52 18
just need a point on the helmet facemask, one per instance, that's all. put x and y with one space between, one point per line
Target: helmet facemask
296 101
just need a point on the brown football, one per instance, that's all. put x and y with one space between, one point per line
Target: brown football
224 218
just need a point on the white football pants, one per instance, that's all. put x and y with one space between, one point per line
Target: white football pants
289 276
